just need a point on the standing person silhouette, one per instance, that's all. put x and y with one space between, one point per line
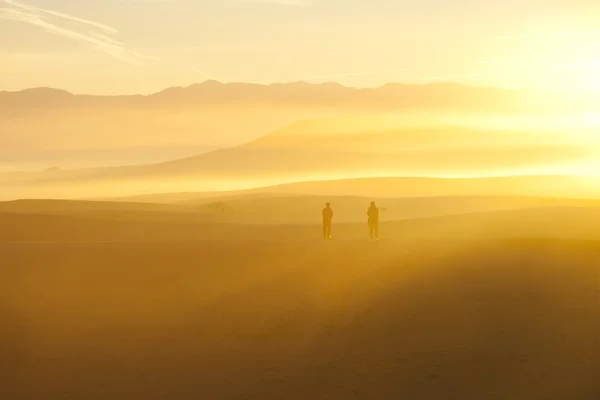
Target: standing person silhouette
327 217
373 213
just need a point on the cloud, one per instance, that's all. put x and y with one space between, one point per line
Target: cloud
60 15
92 33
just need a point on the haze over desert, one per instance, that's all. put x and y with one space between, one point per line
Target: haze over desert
299 199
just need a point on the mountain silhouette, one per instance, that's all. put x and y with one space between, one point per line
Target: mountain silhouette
390 96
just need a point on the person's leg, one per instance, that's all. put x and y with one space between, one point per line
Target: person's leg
324 230
371 230
376 230
329 230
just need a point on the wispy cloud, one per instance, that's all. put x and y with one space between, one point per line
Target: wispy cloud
30 8
359 73
92 33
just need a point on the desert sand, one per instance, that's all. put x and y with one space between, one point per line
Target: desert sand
491 305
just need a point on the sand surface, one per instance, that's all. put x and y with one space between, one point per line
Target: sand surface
301 319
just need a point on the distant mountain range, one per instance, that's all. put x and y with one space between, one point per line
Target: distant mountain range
299 94
367 133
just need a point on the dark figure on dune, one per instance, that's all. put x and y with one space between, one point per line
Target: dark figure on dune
327 217
373 213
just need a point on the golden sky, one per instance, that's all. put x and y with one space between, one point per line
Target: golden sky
143 46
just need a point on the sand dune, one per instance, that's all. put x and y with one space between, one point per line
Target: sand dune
299 209
157 301
265 208
310 149
45 206
241 165
575 222
396 187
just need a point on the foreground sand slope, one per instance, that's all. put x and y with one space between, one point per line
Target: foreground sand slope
301 320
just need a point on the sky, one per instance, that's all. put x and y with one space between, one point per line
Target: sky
143 46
